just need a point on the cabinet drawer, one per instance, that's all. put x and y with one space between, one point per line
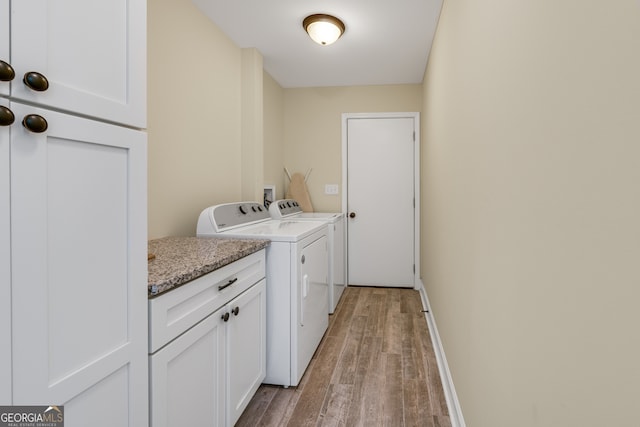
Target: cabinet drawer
176 311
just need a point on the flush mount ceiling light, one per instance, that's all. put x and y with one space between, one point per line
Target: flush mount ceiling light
323 29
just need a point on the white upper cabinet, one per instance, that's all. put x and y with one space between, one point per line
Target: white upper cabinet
92 53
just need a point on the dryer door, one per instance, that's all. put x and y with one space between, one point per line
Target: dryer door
313 294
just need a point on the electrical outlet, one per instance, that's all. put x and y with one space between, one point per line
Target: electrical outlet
331 189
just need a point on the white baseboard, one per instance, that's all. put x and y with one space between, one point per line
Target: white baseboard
455 412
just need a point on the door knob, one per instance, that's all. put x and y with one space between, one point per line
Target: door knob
6 116
352 215
6 72
225 317
36 81
235 311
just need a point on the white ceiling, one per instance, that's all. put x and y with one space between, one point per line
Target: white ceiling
385 42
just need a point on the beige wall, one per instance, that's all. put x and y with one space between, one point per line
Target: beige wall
273 134
313 129
252 127
194 117
531 209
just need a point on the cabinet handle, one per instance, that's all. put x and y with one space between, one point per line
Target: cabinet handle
235 311
225 317
35 123
6 116
229 283
36 81
6 72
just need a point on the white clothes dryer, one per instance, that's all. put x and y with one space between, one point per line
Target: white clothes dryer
297 282
289 209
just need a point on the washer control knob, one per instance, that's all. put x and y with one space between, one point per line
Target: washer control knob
243 210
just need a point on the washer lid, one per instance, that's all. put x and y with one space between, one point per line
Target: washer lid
289 208
277 230
319 216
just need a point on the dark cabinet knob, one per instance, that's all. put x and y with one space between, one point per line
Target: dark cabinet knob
225 317
6 116
36 81
352 215
235 311
6 72
35 123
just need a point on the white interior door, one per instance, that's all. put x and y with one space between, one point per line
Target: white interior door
381 177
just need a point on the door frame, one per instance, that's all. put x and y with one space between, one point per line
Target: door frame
416 182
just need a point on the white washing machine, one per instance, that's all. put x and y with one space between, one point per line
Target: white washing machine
288 209
297 282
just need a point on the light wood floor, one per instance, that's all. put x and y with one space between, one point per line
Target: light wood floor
375 366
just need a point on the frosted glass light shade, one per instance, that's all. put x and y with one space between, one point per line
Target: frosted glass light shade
323 29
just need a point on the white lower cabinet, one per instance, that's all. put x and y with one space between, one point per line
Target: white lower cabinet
208 374
188 377
245 349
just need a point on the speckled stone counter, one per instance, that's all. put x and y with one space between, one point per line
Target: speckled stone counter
179 260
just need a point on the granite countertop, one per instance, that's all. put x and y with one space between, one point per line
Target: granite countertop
179 260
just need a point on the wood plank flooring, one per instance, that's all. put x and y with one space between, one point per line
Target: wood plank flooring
375 366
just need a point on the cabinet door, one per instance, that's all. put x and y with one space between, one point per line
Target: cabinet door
4 41
78 225
93 52
5 272
188 377
247 348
